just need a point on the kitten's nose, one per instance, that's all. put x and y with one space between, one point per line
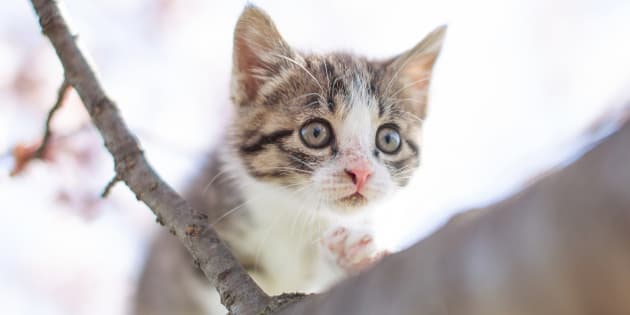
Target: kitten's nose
359 176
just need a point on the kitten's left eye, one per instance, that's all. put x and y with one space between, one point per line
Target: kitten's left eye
388 139
316 134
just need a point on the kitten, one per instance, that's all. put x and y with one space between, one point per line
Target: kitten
317 142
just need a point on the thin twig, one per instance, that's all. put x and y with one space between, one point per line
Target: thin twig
61 95
238 292
109 186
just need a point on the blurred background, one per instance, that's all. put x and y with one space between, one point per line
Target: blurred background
516 87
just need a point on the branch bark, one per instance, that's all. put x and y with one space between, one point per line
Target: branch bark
238 291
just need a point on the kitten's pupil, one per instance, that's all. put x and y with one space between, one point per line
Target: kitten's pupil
388 138
316 132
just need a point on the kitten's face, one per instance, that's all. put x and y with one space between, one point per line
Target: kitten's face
336 130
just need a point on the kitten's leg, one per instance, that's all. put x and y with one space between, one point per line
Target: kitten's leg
170 284
353 250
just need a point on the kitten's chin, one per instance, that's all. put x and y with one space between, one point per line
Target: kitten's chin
351 204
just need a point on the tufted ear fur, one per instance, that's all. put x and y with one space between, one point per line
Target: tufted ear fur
258 48
413 68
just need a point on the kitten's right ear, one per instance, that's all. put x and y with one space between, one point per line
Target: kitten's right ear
414 68
257 47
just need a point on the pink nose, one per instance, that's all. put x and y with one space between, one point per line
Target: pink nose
359 176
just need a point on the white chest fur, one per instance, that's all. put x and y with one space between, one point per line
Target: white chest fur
283 236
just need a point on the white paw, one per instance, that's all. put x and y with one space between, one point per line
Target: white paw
352 250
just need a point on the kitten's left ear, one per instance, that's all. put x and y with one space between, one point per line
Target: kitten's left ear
413 68
257 48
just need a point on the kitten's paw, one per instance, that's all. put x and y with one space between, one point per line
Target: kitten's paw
352 250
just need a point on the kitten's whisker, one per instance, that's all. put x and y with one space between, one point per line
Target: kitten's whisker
227 213
402 173
239 206
302 67
395 76
271 228
219 174
287 168
405 175
416 118
301 161
310 94
408 99
405 168
408 85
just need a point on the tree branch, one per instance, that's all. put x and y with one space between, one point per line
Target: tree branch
23 154
238 291
61 96
561 246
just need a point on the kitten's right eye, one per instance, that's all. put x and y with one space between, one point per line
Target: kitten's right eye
316 134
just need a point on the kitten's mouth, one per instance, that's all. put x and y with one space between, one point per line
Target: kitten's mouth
354 200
